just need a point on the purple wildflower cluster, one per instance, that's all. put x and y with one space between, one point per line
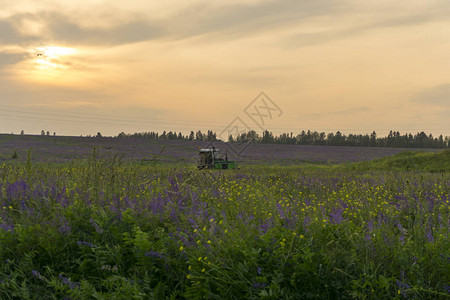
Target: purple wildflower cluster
37 275
66 281
7 227
97 227
447 288
87 244
64 228
154 254
402 285
259 285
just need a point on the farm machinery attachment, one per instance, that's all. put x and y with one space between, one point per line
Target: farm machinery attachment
209 158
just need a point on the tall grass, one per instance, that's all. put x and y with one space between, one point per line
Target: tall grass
104 229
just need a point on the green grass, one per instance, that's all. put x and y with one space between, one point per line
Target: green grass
408 161
106 229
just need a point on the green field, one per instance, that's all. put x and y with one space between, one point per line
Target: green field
106 229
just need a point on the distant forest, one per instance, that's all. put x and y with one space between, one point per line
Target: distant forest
394 138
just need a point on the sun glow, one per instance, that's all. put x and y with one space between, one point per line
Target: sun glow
50 64
53 57
57 51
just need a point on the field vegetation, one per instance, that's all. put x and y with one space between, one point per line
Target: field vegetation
104 228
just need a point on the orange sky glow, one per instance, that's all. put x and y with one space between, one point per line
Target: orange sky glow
80 67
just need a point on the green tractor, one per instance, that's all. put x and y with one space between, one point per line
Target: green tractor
209 158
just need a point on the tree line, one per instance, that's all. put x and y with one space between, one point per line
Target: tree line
394 139
209 136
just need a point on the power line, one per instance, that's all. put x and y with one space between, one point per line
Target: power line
97 119
137 120
60 120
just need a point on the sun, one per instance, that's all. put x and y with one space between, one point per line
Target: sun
52 64
52 57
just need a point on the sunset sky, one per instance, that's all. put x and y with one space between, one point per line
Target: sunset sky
76 67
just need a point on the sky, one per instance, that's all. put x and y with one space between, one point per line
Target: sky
78 67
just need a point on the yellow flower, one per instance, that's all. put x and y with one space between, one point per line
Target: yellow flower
203 270
199 259
181 248
10 207
302 236
190 267
226 230
188 276
209 242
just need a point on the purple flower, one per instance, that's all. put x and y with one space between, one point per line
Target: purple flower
84 243
72 284
96 226
258 285
37 275
402 285
430 236
370 226
7 227
64 228
154 254
336 216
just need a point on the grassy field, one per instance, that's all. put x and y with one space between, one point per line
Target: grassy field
66 149
410 161
103 228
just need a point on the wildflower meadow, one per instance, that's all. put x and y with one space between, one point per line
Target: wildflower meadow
104 228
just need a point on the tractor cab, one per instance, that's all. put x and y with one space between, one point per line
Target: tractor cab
209 158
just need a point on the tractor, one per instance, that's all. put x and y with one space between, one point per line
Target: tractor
209 158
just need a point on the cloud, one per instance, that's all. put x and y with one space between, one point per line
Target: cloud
248 18
195 20
10 58
207 19
18 29
59 27
62 29
8 34
387 20
438 96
